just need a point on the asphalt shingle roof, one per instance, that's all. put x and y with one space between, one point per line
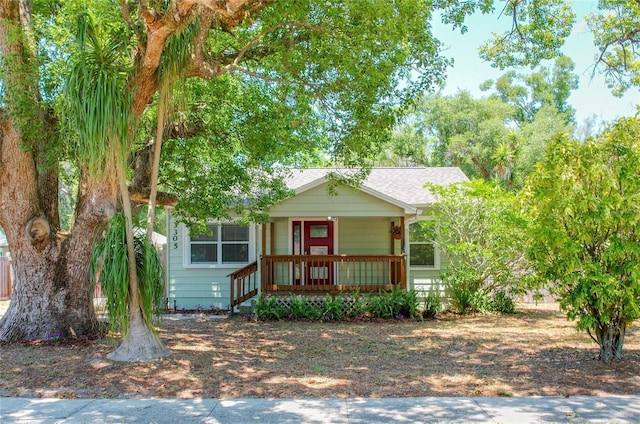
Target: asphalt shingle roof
404 184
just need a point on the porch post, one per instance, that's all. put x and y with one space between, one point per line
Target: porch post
264 239
403 263
263 273
392 241
403 272
272 241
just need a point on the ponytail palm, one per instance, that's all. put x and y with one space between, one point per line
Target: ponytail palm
98 113
96 104
110 263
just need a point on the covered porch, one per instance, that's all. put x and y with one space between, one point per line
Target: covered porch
319 274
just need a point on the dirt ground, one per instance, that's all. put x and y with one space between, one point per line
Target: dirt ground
535 352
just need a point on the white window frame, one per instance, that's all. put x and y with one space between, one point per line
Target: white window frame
187 250
436 251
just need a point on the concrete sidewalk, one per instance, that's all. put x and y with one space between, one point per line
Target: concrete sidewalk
577 409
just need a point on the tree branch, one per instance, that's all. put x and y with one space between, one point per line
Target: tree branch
266 31
233 67
127 18
231 6
225 62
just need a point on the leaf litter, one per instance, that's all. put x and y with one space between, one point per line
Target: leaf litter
534 352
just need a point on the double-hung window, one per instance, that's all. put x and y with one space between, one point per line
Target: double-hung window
422 249
226 244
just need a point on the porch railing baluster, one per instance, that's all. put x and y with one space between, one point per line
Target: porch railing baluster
332 273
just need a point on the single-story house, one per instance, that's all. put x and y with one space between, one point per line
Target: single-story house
315 242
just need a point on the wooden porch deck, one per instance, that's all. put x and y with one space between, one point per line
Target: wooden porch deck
318 274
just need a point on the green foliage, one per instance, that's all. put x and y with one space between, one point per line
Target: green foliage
96 112
496 138
431 305
150 277
109 265
305 83
299 308
386 305
395 304
332 308
583 200
479 229
536 135
268 308
358 304
410 305
18 78
615 26
465 131
408 146
537 30
239 153
468 299
543 87
502 302
175 56
67 194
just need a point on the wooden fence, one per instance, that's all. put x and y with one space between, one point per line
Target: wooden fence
6 278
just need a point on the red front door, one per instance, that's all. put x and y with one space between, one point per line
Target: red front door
318 240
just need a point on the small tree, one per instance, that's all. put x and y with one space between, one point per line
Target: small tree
585 240
478 228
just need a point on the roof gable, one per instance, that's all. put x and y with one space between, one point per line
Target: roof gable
316 202
398 185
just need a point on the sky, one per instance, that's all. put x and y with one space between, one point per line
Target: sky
591 98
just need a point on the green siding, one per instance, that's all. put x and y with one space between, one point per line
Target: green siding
191 287
428 280
316 202
425 281
281 239
364 236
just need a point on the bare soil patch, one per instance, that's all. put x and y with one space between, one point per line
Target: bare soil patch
534 352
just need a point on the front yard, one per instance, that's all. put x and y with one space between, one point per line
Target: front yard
535 352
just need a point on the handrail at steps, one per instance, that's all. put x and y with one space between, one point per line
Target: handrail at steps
243 284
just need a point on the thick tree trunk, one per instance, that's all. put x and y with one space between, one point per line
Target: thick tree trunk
94 209
31 312
52 292
140 344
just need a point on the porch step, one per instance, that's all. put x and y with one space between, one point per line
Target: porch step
247 309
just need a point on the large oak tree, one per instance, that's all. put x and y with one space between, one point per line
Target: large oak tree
265 83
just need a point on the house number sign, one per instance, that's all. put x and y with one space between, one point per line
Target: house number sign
174 237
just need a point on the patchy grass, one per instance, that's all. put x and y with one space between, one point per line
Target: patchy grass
535 352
